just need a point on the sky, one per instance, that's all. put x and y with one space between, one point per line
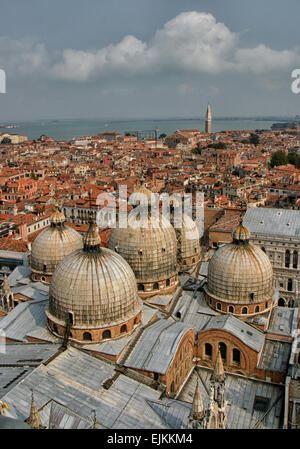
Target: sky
129 59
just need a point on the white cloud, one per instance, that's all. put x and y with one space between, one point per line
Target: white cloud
22 57
192 42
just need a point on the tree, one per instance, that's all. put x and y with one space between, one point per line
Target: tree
6 140
254 139
162 136
278 158
294 159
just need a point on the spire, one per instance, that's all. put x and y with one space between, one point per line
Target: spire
34 419
5 286
198 409
3 406
218 374
95 423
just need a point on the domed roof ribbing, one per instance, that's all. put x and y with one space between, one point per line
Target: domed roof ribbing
53 244
95 284
240 272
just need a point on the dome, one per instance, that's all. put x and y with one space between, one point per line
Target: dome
95 289
151 250
240 275
52 245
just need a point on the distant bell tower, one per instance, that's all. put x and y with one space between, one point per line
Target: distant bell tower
208 119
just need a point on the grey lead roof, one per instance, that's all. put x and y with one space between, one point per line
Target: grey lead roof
24 318
19 275
276 222
275 356
283 321
249 335
74 380
157 345
240 392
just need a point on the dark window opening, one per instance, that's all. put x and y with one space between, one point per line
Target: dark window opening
290 285
295 259
281 302
223 351
236 356
244 310
155 286
87 336
123 328
219 306
261 404
106 334
256 309
287 258
71 318
141 287
208 350
231 309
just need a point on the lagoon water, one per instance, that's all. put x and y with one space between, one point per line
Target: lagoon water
69 129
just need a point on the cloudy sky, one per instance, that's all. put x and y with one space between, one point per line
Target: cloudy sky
123 59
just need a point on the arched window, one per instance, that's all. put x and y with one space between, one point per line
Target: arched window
141 287
193 260
223 351
167 282
244 310
155 286
264 250
123 328
295 259
251 296
43 278
236 356
55 328
208 350
87 336
287 258
219 306
290 285
135 321
44 268
256 309
106 334
231 309
281 302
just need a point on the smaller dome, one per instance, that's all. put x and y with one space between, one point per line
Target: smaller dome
52 245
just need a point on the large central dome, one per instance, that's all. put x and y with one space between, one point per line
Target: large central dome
240 277
95 290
